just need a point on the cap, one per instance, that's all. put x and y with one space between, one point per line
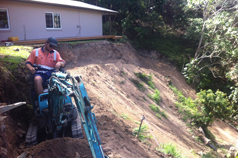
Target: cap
52 41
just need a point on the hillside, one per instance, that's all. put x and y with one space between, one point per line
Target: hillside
108 70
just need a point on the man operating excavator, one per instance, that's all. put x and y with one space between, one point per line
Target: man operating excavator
45 60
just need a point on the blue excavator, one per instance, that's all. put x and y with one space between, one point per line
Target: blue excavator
61 110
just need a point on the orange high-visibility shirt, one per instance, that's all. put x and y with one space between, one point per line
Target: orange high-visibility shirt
40 59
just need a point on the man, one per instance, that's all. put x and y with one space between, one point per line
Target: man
46 60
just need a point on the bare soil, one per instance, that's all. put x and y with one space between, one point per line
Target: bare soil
107 69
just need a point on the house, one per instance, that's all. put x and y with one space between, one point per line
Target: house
40 19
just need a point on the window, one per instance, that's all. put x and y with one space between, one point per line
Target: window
4 19
52 20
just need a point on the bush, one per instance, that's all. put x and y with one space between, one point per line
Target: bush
139 85
171 149
155 97
143 135
213 105
158 111
146 79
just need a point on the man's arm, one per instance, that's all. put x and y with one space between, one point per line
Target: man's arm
31 68
59 64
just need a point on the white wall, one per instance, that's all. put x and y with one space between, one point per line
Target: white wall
32 18
91 23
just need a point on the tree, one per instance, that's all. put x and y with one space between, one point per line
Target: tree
217 50
212 105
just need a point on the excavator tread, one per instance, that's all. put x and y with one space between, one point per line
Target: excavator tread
77 128
31 136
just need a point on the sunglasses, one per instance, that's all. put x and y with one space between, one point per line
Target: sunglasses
51 46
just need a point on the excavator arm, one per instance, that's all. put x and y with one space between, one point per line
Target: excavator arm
63 85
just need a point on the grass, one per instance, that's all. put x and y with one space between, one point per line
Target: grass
146 79
139 85
171 149
186 106
155 108
14 56
122 82
144 134
155 97
209 155
144 98
159 113
125 117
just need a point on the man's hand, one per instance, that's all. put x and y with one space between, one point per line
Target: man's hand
32 70
58 65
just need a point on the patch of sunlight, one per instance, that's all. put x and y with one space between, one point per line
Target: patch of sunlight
15 51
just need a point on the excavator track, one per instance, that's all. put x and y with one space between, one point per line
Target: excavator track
31 136
77 128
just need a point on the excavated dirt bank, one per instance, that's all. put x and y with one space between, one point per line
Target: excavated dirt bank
107 69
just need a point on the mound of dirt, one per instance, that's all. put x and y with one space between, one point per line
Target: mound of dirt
108 70
61 147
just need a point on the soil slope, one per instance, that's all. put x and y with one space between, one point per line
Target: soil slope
107 70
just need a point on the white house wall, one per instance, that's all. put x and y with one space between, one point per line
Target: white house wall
27 21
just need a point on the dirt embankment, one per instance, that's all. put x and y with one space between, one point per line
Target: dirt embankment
107 69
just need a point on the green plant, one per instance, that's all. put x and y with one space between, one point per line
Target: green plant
158 111
157 115
155 97
122 82
171 149
209 155
146 79
155 108
213 105
143 134
14 56
124 116
198 139
164 114
139 85
144 98
123 73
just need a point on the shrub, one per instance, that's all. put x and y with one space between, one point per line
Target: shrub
143 135
155 97
171 149
139 85
154 108
158 111
146 79
213 105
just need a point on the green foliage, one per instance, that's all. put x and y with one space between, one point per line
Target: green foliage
198 139
124 116
14 56
171 149
139 85
213 105
215 30
233 99
144 98
209 155
146 79
143 135
155 108
159 113
164 114
207 107
155 97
